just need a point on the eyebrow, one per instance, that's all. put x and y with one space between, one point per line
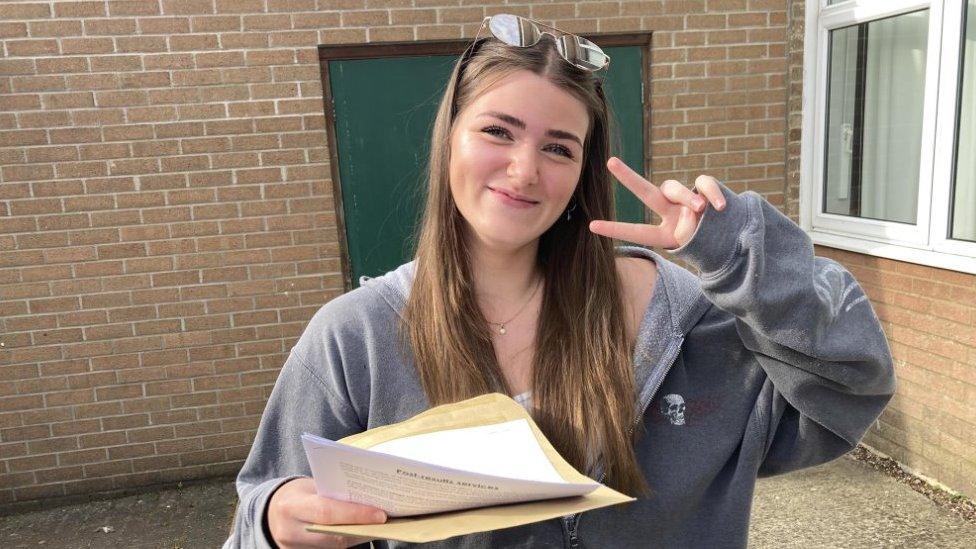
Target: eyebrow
558 134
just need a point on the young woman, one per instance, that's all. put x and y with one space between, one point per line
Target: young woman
676 389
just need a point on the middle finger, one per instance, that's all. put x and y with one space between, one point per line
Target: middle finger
708 186
679 194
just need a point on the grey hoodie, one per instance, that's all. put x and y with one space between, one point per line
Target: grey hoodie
770 361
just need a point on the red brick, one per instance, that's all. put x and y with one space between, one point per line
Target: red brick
187 6
130 451
169 61
193 42
118 27
270 22
42 29
62 65
38 83
220 59
35 10
147 44
32 47
92 82
163 25
93 455
270 57
149 434
291 5
239 6
87 45
79 9
133 7
371 18
216 23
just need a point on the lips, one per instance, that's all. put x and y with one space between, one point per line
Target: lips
513 196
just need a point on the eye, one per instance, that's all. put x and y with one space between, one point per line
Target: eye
497 131
562 150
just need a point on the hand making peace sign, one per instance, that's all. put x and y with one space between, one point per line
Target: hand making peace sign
678 206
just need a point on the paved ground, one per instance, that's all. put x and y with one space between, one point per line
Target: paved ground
842 504
846 503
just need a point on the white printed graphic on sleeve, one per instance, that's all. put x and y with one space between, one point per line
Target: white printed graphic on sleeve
832 289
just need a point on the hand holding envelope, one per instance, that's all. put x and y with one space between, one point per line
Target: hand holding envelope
480 464
296 504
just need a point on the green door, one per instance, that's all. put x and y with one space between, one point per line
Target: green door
384 109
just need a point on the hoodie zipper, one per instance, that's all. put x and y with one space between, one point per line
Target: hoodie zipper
572 521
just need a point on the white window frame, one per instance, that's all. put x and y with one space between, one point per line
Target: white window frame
924 242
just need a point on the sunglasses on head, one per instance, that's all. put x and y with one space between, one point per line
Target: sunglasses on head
521 32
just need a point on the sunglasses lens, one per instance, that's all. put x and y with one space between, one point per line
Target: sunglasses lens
514 30
582 53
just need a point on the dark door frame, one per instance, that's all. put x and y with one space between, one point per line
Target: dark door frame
440 47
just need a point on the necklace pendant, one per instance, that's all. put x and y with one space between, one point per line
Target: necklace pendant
502 329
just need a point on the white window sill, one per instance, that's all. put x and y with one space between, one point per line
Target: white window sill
897 252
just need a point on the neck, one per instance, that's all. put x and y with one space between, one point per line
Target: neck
503 276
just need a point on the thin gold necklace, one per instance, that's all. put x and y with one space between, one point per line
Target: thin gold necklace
501 325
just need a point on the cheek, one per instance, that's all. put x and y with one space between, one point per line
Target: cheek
457 166
474 161
476 149
565 182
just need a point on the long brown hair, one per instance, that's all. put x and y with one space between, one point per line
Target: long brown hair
583 376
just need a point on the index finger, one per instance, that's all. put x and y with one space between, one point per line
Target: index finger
647 192
640 233
335 511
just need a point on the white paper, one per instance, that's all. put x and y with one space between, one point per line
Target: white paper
442 471
504 449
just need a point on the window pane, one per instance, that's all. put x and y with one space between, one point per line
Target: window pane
964 188
874 118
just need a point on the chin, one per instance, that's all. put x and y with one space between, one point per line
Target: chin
506 239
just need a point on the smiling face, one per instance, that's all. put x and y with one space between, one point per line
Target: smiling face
516 157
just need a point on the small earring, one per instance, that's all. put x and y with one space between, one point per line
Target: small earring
569 211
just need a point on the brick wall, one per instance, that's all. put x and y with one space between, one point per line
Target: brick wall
794 119
929 316
166 220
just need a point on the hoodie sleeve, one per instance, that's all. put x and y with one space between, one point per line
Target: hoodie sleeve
310 395
808 323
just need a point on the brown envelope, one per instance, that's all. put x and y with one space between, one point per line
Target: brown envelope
482 410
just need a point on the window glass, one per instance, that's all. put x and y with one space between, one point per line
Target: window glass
876 86
964 186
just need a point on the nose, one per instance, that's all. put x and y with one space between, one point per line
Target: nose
523 166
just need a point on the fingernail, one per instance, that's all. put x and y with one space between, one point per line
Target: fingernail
721 203
699 203
379 516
